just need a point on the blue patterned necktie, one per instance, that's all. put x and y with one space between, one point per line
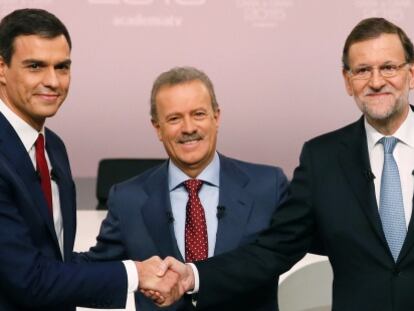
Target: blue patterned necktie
391 208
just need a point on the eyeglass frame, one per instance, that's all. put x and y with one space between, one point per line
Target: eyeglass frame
371 71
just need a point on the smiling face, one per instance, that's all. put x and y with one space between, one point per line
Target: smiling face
36 81
187 125
383 101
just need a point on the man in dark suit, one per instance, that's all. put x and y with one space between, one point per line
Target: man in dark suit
37 193
353 191
148 215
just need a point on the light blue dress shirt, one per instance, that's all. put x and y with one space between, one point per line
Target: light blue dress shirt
209 197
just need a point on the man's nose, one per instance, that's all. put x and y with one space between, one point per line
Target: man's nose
50 78
188 125
376 81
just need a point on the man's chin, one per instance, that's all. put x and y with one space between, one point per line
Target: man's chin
379 112
48 110
193 162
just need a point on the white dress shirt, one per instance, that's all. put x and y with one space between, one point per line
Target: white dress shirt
403 155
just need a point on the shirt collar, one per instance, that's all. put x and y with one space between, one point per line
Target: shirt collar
26 133
210 175
404 133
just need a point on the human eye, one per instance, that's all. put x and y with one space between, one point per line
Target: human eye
173 119
388 69
200 114
34 66
65 66
362 71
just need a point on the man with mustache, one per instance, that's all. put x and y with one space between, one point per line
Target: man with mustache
37 193
197 204
353 189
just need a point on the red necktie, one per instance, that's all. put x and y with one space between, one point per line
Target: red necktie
43 171
196 241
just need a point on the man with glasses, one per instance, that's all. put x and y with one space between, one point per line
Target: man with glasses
353 191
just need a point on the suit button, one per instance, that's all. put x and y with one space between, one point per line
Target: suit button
396 272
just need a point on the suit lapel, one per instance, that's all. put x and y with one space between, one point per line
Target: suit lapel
409 239
237 206
66 196
157 213
13 149
354 160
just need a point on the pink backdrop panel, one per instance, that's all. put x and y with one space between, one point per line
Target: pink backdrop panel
275 65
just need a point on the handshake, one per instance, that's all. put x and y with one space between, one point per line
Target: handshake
164 281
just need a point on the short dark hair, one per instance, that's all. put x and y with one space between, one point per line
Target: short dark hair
371 28
28 22
179 75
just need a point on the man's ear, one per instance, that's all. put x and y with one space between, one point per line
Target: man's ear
217 115
157 128
3 69
348 84
411 71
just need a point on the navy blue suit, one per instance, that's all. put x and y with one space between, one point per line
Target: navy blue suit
139 223
32 273
333 200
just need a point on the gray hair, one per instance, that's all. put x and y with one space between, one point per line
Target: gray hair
179 75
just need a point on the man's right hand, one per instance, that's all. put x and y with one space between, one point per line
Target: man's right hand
185 282
184 271
157 281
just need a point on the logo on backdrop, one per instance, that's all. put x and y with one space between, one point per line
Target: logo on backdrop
264 13
149 2
141 20
394 10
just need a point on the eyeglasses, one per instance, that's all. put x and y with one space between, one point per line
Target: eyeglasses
366 72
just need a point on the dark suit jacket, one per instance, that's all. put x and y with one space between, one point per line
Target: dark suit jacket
139 224
32 275
332 198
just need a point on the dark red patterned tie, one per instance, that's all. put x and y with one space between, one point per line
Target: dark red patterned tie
196 241
43 171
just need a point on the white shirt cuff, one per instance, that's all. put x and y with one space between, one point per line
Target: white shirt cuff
196 279
132 273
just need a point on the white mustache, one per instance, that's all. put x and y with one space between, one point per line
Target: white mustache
370 91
